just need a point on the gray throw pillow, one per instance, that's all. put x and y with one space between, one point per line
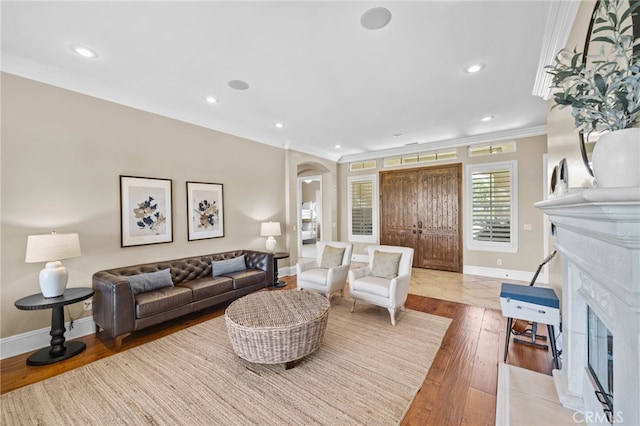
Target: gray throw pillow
150 281
331 257
221 267
385 264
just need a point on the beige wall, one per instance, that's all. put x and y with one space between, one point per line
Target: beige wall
563 139
62 153
299 165
529 155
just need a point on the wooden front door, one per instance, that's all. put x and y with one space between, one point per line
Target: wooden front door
420 208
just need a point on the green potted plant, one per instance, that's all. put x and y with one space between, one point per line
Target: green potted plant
603 90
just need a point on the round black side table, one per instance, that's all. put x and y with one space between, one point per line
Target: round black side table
58 351
277 256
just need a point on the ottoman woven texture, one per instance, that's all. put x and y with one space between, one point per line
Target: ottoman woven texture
272 327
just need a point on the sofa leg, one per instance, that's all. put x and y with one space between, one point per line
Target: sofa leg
353 304
392 312
119 341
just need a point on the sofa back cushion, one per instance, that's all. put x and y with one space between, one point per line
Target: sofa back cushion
222 267
141 283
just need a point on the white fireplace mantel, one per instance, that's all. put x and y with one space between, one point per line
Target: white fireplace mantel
598 239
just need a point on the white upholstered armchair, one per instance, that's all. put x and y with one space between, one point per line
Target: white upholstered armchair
328 273
385 281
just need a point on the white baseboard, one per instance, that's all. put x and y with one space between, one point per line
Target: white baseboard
36 339
543 277
527 276
363 258
287 271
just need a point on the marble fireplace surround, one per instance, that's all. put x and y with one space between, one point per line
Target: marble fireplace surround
598 239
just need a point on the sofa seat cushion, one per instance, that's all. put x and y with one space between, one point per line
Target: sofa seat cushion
208 287
316 276
247 278
158 301
372 285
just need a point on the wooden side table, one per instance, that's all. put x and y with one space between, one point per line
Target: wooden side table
58 351
277 256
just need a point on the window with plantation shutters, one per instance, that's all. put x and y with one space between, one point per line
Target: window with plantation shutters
362 209
492 207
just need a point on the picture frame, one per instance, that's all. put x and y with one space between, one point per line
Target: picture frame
205 210
146 215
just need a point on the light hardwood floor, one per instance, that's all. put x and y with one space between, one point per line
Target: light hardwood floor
460 388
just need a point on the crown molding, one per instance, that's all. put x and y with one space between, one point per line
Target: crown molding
560 19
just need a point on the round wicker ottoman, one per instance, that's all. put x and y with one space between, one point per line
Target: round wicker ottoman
272 327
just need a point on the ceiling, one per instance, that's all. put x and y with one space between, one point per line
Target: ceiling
309 64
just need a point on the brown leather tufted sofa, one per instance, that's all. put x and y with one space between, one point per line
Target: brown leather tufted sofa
119 312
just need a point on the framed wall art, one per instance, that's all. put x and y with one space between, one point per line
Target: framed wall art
146 211
205 210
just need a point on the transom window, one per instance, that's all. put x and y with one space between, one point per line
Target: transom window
363 165
423 157
496 148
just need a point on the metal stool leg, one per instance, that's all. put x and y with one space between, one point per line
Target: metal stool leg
552 341
506 343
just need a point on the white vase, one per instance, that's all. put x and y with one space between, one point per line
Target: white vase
616 159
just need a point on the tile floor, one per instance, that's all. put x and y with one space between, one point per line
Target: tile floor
452 286
456 287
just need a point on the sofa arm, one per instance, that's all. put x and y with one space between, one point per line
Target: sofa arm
399 289
306 266
260 260
354 274
338 274
113 304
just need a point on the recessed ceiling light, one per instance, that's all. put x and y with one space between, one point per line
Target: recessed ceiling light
280 125
487 118
474 68
83 51
211 100
396 135
337 146
375 18
238 84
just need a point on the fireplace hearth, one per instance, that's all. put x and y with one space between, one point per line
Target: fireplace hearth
598 239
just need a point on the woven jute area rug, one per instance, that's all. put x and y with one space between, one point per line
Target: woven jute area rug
365 372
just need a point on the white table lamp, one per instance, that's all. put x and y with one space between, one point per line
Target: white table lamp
270 230
52 248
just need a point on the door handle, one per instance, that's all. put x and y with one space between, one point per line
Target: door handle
420 231
414 231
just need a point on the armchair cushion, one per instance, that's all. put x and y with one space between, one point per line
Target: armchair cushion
141 283
331 257
372 285
222 267
385 264
316 276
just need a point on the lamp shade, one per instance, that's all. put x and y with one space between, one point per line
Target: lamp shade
270 229
52 248
49 247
